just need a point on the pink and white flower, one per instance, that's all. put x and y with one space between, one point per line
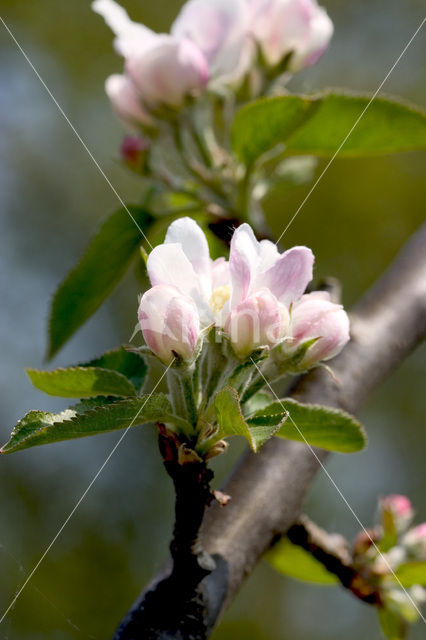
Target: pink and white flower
169 322
160 69
401 509
248 297
298 27
315 317
220 29
415 541
264 284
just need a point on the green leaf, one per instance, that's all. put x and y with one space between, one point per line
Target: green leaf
105 261
259 401
81 382
232 423
130 364
318 125
392 625
316 425
412 573
263 124
293 561
39 427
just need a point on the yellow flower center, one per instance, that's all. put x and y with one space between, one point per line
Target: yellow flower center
219 297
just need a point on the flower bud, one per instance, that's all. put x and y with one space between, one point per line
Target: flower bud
297 27
134 152
259 320
170 322
401 509
415 541
125 101
167 71
315 318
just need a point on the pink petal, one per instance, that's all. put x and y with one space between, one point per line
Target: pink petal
290 275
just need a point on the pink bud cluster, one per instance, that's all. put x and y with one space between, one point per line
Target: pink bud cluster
256 299
212 44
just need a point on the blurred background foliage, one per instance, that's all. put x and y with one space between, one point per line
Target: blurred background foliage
52 198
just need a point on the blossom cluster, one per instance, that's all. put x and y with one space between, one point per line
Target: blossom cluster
256 299
212 45
385 549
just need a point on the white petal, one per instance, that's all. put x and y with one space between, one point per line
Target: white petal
131 36
220 29
168 264
190 236
243 262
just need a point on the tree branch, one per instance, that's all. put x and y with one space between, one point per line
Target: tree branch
268 488
332 550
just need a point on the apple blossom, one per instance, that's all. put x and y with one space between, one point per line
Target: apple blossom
169 322
415 541
259 320
220 29
315 318
264 284
126 102
161 68
401 509
297 27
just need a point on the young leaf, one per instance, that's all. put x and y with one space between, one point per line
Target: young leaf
412 573
38 427
81 382
107 258
232 423
318 125
317 425
125 362
293 561
393 626
262 124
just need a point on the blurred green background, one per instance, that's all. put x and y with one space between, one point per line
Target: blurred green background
52 198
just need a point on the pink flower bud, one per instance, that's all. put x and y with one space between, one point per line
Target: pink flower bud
167 71
401 509
315 317
415 541
170 322
297 27
126 102
134 151
257 321
163 69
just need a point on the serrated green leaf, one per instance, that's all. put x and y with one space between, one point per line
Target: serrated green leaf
105 261
318 125
317 425
392 625
81 382
411 573
259 401
293 561
130 364
39 427
231 422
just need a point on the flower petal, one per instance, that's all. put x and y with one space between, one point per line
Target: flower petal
243 262
168 264
190 236
131 36
220 30
289 276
